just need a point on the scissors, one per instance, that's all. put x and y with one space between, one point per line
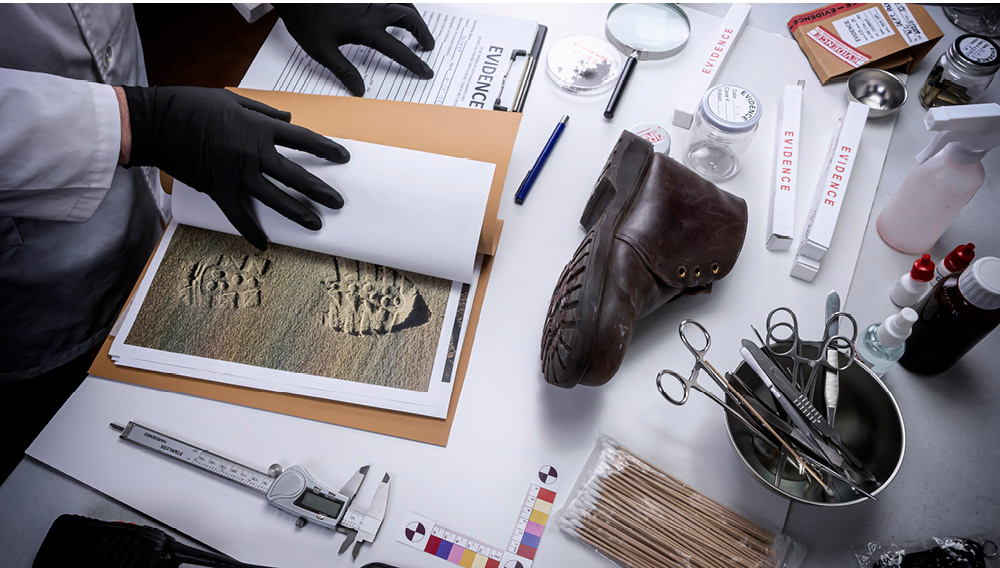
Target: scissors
783 339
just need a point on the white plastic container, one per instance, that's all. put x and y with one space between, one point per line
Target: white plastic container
936 189
914 284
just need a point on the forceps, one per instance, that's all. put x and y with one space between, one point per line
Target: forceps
699 363
790 346
691 382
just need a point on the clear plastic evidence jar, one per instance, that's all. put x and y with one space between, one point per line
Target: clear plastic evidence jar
723 129
962 73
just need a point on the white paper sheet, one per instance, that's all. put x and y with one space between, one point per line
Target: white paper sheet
469 59
405 209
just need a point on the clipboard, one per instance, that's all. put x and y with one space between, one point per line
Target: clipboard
452 131
527 74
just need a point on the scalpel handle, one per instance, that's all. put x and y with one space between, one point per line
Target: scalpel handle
831 388
787 405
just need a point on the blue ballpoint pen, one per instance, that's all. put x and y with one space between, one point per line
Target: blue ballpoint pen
529 179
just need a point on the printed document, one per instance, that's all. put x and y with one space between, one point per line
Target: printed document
470 58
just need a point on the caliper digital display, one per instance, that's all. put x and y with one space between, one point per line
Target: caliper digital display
319 504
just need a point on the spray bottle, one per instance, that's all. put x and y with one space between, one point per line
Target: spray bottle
948 173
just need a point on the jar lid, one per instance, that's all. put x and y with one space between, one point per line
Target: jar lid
980 283
655 134
976 54
731 109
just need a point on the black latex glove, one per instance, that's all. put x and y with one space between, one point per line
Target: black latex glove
320 29
221 144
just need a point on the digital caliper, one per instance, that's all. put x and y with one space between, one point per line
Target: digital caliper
292 490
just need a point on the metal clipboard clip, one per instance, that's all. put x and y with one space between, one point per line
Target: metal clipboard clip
526 75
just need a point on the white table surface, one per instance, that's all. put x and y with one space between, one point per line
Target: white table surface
946 486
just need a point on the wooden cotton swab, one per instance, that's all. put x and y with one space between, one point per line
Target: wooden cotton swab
656 537
698 546
628 482
670 483
692 535
611 542
628 521
640 516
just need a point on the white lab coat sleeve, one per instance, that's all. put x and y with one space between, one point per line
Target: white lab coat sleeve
59 145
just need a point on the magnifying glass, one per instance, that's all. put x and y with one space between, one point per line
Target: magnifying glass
644 32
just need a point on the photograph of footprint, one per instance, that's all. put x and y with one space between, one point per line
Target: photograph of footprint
216 296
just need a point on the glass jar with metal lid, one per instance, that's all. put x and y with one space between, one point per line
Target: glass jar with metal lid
962 73
722 131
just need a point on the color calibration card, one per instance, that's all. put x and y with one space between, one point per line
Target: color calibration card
444 542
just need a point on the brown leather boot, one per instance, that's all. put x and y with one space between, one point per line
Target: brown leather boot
655 231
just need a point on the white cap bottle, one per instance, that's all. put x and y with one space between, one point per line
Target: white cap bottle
914 284
936 189
881 345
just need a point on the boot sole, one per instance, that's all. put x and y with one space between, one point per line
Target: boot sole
575 308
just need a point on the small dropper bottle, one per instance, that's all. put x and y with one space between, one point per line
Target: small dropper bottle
956 261
914 284
883 344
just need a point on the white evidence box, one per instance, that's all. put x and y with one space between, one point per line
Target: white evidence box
825 210
781 209
718 50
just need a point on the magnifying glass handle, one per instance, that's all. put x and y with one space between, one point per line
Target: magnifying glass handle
609 112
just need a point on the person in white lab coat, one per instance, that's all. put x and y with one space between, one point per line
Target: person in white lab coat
80 204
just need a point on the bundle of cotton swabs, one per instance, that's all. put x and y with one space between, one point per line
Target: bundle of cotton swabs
641 517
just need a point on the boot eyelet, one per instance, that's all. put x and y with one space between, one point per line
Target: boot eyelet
681 271
715 268
697 272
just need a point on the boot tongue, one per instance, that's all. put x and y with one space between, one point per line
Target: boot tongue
687 231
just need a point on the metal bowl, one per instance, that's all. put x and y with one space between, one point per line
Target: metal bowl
877 89
868 421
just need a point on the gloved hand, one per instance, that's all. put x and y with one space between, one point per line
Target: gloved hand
322 28
221 144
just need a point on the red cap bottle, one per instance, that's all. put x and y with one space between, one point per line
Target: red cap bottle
914 284
956 261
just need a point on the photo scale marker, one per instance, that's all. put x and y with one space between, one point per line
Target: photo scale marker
439 540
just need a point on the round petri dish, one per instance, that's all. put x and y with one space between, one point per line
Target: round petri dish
584 65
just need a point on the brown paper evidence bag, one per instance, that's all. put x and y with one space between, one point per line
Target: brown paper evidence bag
486 136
